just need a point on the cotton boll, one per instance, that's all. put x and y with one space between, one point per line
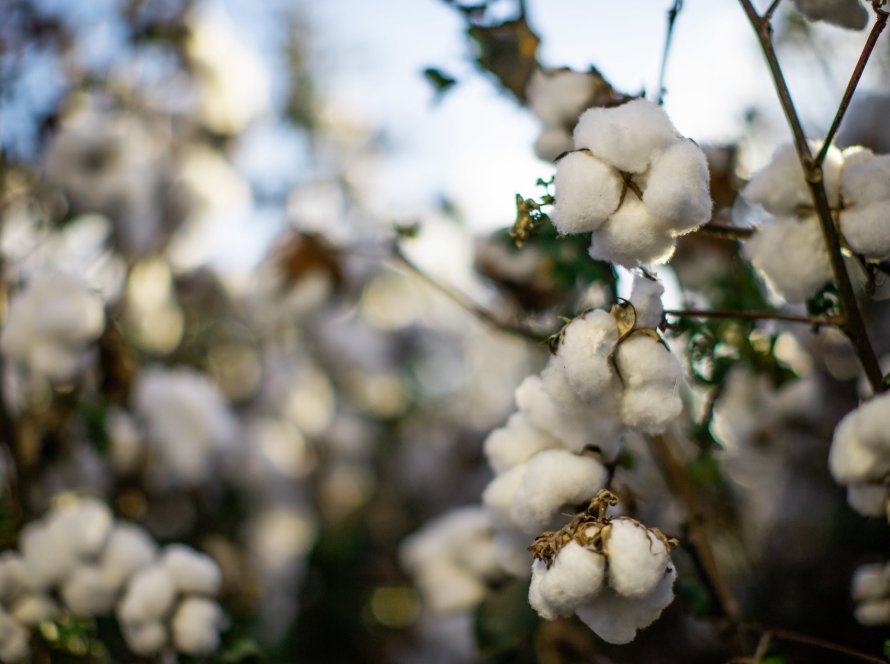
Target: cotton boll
637 558
498 495
850 460
870 582
48 557
556 385
843 13
515 443
145 638
790 255
552 142
31 610
616 619
554 480
13 639
446 586
149 596
780 187
86 522
631 237
447 533
865 177
587 192
626 136
511 548
868 499
643 360
677 191
645 296
557 96
191 572
866 229
196 626
129 549
584 354
86 592
14 580
574 578
873 613
651 408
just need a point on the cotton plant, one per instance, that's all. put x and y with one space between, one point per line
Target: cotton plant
633 182
859 457
614 573
850 14
870 590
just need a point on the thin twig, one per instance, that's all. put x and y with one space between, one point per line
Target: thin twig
806 639
672 14
853 324
768 14
466 303
876 29
756 314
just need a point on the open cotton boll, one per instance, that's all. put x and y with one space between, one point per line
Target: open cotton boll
851 459
499 493
870 582
196 626
865 176
638 559
631 237
873 613
584 353
557 96
13 639
515 443
145 638
651 408
552 481
14 580
677 191
780 187
86 592
868 499
47 555
643 360
626 136
616 619
790 255
86 521
448 533
556 385
149 596
574 578
843 13
191 572
645 296
31 610
129 549
446 586
866 229
587 191
574 427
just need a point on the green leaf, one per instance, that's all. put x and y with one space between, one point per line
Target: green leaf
504 619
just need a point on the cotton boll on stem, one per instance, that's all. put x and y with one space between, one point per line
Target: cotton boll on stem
677 190
645 296
638 559
145 638
515 443
191 572
866 229
574 578
129 549
196 626
587 192
149 596
584 354
865 176
631 238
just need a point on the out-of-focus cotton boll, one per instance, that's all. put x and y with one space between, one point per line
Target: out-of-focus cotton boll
870 589
446 586
48 554
865 217
865 177
865 123
616 619
13 639
574 578
780 187
843 13
196 625
149 596
677 190
145 638
190 428
652 378
552 142
790 255
638 559
87 592
587 193
584 353
33 609
127 444
868 499
191 572
50 324
129 549
626 136
14 579
866 229
645 296
498 495
552 481
86 521
515 443
631 237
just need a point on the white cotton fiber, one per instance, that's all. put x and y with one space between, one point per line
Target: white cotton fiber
14 580
868 499
553 481
556 385
870 582
552 142
572 427
843 13
515 443
780 187
31 610
677 191
626 136
196 626
645 296
145 638
149 596
873 613
584 353
587 191
865 177
616 619
85 521
499 493
86 592
574 578
191 571
447 586
13 639
129 549
850 459
637 558
48 556
790 255
631 237
557 96
866 229
652 377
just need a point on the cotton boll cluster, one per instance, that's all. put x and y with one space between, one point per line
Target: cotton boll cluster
871 594
614 573
860 456
633 182
453 558
191 433
843 13
169 602
50 324
557 97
